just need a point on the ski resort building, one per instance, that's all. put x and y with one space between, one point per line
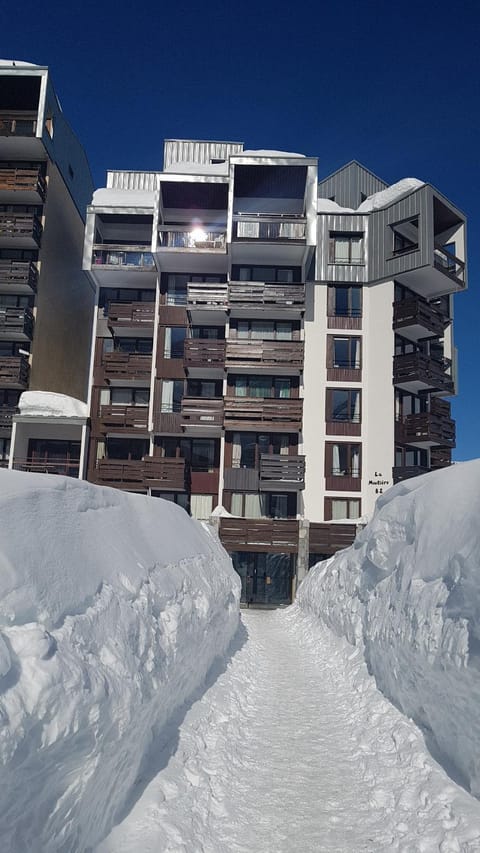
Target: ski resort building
270 343
46 300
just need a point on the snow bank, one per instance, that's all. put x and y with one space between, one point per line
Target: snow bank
49 405
112 610
408 591
389 195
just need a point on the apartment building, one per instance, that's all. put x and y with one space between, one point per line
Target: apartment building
272 344
46 300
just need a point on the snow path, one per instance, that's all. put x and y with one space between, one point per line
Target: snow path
292 748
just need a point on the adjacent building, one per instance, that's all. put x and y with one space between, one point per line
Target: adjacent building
270 343
46 300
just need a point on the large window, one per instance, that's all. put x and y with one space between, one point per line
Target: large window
345 301
247 447
283 275
127 448
263 386
204 388
343 404
174 341
343 460
345 248
263 505
172 393
124 294
140 346
268 330
203 454
347 352
405 236
337 509
127 396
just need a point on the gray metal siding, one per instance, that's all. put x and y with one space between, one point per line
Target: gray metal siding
348 184
126 180
382 264
192 151
354 223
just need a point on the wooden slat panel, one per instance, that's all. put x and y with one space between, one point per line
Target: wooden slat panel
265 534
280 471
329 538
276 415
264 353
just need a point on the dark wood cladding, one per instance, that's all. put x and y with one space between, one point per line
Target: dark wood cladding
173 315
281 472
406 472
204 353
65 467
258 294
240 479
418 312
152 472
16 321
343 428
426 427
126 366
417 367
204 482
262 413
351 323
6 416
262 534
14 371
344 374
20 226
343 483
133 314
440 457
253 353
124 418
169 423
23 274
212 296
29 180
330 538
201 412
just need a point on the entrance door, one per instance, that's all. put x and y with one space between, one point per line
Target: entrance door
266 578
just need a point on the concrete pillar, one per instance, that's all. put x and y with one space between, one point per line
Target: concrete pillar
303 549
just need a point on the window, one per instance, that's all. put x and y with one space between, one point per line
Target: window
174 341
266 505
179 498
347 353
127 448
337 509
204 388
267 330
247 447
201 453
129 396
411 457
345 248
284 275
405 236
4 451
345 301
12 300
343 460
263 386
210 333
123 294
172 393
140 346
176 285
343 404
8 348
201 506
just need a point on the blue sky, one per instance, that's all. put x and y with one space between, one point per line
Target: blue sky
393 85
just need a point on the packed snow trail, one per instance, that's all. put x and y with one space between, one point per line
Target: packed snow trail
292 748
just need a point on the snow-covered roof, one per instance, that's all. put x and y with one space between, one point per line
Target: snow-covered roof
267 152
326 205
34 404
123 198
18 63
389 195
184 167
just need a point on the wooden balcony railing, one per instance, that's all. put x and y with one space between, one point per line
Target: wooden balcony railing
201 412
14 371
330 538
262 413
247 534
125 365
20 226
122 418
417 367
253 294
406 472
153 471
440 457
426 427
213 297
138 314
64 467
282 472
449 264
268 228
6 416
16 322
116 255
18 274
418 312
204 353
18 180
12 124
284 354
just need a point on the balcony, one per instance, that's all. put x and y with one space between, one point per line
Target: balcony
22 186
186 238
123 419
126 367
428 428
16 324
6 416
200 414
18 277
15 124
261 534
440 457
265 229
207 303
283 300
417 372
449 265
63 467
281 472
418 319
20 230
14 372
283 356
264 414
152 472
204 357
406 472
115 255
131 318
